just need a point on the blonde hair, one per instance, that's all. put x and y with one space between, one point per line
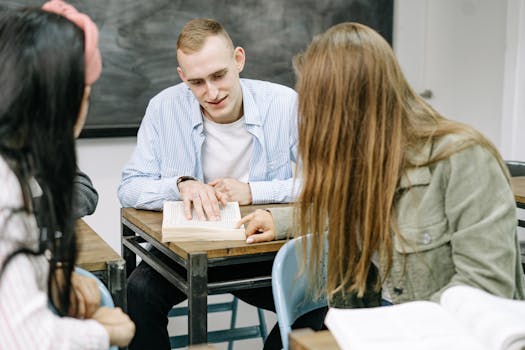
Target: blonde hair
194 34
358 118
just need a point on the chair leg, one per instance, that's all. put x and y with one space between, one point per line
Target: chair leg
235 302
262 324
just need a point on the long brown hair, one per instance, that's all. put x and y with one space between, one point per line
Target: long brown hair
358 118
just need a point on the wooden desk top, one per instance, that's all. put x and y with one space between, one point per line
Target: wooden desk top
93 251
151 223
307 339
518 187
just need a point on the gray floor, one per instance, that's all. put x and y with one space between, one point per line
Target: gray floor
246 316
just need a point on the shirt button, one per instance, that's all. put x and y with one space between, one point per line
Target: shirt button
426 238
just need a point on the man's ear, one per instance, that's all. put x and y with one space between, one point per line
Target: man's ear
181 74
239 57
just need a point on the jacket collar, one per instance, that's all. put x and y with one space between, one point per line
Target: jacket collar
417 175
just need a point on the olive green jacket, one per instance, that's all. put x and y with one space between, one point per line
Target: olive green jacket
458 221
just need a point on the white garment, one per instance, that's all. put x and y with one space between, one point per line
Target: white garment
226 151
25 319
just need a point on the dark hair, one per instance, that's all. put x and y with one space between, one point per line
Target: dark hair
42 77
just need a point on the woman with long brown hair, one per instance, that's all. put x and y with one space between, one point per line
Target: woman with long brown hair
413 203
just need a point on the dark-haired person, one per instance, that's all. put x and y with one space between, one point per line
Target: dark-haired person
48 60
413 203
85 196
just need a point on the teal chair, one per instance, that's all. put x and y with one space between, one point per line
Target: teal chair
105 296
290 289
229 335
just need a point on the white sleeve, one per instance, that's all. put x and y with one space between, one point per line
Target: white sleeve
26 322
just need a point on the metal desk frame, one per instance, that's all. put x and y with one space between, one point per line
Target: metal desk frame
195 284
110 269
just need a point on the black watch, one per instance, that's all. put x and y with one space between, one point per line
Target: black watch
185 178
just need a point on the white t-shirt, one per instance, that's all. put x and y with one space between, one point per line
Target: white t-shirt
226 151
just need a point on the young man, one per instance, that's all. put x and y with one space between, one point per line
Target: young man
211 139
215 137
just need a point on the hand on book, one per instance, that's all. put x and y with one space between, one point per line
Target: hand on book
234 190
204 198
259 226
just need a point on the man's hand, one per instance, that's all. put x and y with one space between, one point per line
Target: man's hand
259 226
235 190
205 200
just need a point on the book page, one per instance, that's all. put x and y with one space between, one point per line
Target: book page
499 322
174 214
409 326
175 226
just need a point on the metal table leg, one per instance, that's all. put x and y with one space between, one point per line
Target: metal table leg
129 257
117 283
198 298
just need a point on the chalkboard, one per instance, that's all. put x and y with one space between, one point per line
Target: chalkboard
138 38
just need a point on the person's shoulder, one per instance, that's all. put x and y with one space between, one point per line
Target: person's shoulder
459 145
465 153
268 88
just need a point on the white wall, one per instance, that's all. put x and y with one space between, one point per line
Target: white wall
103 159
513 111
458 50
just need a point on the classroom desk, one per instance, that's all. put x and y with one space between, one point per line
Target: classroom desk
307 339
140 226
518 187
96 256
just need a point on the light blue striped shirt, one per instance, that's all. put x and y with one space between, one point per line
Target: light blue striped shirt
170 139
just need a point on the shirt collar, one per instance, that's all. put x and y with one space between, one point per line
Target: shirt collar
251 112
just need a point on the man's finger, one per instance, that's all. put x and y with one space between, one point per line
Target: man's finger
187 207
197 204
211 206
222 197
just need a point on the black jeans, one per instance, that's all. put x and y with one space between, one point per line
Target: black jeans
151 297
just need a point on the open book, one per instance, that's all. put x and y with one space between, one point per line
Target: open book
466 318
176 228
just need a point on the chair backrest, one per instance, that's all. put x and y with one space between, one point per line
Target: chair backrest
290 290
516 168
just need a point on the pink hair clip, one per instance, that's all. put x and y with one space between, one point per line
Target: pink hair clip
92 52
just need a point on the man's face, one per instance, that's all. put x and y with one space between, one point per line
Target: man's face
212 74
